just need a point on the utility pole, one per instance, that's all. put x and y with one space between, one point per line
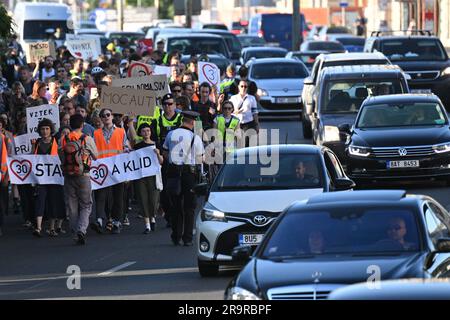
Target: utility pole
296 25
157 8
188 8
120 15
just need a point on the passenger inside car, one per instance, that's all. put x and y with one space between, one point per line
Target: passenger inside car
396 232
316 242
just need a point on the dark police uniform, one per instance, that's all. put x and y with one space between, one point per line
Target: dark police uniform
183 147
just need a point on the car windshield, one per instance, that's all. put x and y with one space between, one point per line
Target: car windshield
278 71
401 115
251 41
345 96
325 46
246 173
233 43
352 41
335 30
35 29
413 49
260 54
193 46
307 58
353 231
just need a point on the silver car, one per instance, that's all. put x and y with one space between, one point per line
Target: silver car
280 85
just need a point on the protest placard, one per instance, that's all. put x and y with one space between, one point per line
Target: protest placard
162 70
46 169
139 69
131 166
39 50
96 38
158 84
22 144
85 49
35 169
210 73
36 114
128 101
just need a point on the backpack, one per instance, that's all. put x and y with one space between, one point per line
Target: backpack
76 158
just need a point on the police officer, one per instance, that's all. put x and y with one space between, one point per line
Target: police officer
184 152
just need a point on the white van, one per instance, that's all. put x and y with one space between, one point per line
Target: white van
34 19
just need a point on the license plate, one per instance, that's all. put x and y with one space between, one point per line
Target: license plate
286 100
252 239
403 164
421 91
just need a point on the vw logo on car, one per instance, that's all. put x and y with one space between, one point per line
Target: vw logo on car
259 219
402 152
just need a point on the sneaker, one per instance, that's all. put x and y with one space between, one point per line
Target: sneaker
126 221
109 227
52 233
81 238
97 227
60 231
147 231
37 233
27 225
153 224
116 229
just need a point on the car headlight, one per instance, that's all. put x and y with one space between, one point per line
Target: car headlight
213 215
441 148
359 151
331 133
262 93
237 293
445 72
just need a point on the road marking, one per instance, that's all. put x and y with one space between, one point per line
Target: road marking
120 267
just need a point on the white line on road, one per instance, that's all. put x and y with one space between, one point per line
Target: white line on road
120 267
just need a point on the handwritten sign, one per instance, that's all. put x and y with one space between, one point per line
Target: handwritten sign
96 38
124 100
210 73
39 50
139 69
22 144
158 84
85 49
36 114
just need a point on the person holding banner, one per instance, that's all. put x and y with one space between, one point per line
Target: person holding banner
49 197
110 141
77 181
184 151
148 188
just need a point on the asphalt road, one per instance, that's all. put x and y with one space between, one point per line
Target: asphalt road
126 266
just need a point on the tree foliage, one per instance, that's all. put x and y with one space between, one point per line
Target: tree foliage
6 23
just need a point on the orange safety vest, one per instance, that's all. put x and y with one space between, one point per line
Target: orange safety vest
53 151
115 145
4 154
73 136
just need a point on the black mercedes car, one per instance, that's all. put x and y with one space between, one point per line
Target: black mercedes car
397 137
337 239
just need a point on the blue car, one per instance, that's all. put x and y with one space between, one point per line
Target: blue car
352 43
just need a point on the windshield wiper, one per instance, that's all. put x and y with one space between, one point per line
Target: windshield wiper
284 258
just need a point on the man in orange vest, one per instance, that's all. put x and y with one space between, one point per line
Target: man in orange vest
77 182
110 141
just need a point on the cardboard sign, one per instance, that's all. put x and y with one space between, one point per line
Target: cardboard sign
96 38
35 169
22 144
139 69
162 70
131 166
36 114
39 50
126 101
85 49
210 73
158 84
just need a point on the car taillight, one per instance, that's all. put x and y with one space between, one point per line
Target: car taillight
261 34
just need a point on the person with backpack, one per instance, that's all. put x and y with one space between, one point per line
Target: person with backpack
49 197
78 151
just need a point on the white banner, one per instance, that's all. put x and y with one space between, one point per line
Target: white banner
210 73
96 38
45 169
85 49
22 144
162 70
36 114
35 169
124 167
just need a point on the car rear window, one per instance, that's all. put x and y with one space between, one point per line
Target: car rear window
352 41
338 30
325 46
198 46
278 71
260 54
413 49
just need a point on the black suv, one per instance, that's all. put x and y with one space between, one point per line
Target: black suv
422 56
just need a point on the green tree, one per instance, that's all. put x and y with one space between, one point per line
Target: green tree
6 23
166 10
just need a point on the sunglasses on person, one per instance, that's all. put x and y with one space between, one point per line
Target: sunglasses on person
243 86
106 115
176 90
62 70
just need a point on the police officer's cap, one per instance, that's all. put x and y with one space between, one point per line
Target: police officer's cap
166 97
190 114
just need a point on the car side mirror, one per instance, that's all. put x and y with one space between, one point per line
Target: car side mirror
241 253
345 128
443 245
308 80
201 189
343 184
